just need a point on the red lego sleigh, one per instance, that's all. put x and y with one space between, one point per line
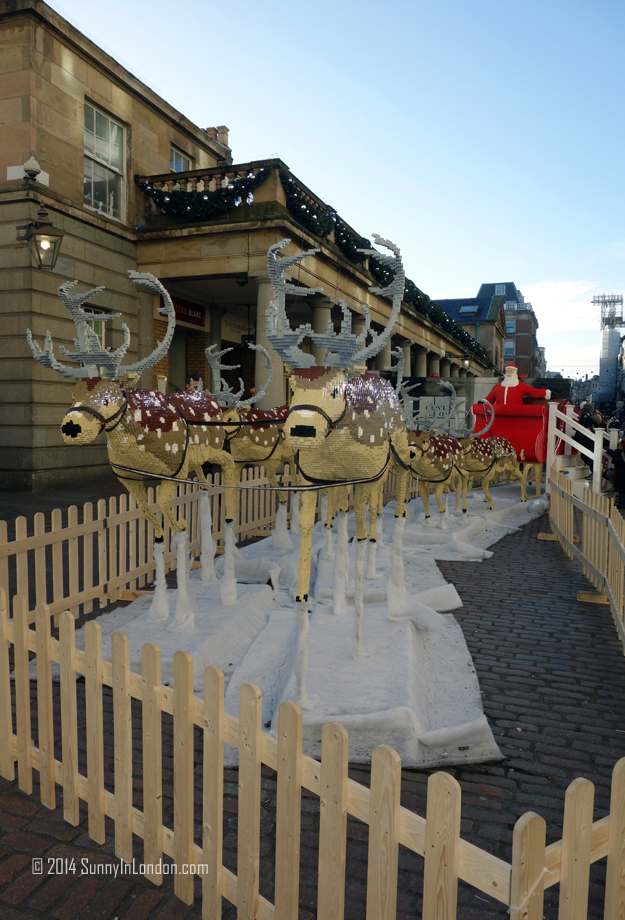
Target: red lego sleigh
524 426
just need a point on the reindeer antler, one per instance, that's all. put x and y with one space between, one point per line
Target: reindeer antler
284 340
269 367
399 367
89 353
222 393
346 349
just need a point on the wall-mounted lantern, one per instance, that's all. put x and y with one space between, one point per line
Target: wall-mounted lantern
43 238
465 358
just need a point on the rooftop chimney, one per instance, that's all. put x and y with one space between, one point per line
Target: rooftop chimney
212 132
222 134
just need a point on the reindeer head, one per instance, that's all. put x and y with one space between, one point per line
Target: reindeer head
99 399
231 403
97 404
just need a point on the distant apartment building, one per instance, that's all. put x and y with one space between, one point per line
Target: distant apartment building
520 345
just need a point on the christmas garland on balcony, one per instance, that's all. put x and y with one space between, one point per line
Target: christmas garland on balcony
204 205
349 244
318 220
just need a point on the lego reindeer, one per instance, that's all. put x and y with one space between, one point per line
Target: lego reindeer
343 426
255 437
148 433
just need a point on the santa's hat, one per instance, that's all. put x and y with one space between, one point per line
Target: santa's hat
511 365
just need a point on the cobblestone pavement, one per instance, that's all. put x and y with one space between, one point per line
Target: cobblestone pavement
552 676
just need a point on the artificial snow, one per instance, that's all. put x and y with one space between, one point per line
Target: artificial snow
400 673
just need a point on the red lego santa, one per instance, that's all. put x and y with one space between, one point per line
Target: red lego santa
511 391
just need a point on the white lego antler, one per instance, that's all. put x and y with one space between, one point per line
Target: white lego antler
89 353
222 392
284 340
346 349
268 367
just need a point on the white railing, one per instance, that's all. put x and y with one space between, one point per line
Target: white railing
555 434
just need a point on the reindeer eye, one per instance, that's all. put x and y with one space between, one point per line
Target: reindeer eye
105 402
334 393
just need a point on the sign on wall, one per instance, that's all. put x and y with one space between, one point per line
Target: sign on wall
187 312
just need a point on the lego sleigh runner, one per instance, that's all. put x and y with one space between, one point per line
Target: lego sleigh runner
353 628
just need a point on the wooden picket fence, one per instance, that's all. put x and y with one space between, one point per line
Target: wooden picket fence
602 552
448 858
102 552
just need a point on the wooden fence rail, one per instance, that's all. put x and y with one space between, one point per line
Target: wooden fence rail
602 540
109 550
448 858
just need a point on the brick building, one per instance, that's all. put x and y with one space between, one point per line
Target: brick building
521 345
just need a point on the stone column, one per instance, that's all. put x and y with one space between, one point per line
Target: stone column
462 372
454 370
434 363
421 362
214 335
445 365
321 316
275 395
214 338
384 358
407 350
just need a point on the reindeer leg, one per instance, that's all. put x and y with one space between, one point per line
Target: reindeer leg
230 475
137 490
485 487
360 498
438 491
514 470
166 492
424 492
306 523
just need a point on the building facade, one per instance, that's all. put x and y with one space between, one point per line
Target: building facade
483 319
521 346
135 185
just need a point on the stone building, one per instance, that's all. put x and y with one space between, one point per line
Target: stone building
483 319
135 185
521 345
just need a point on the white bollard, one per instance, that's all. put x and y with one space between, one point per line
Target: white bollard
159 608
184 617
371 558
397 553
280 534
209 546
359 649
295 501
341 564
228 582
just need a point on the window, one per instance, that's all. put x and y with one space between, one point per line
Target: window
500 289
510 324
103 163
178 162
509 349
98 328
469 308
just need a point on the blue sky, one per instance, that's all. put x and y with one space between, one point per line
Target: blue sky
484 137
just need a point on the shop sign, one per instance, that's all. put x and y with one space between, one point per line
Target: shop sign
188 312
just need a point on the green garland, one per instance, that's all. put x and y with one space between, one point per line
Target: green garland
192 206
204 205
318 220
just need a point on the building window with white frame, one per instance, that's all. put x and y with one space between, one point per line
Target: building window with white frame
510 326
103 163
178 162
509 349
500 289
